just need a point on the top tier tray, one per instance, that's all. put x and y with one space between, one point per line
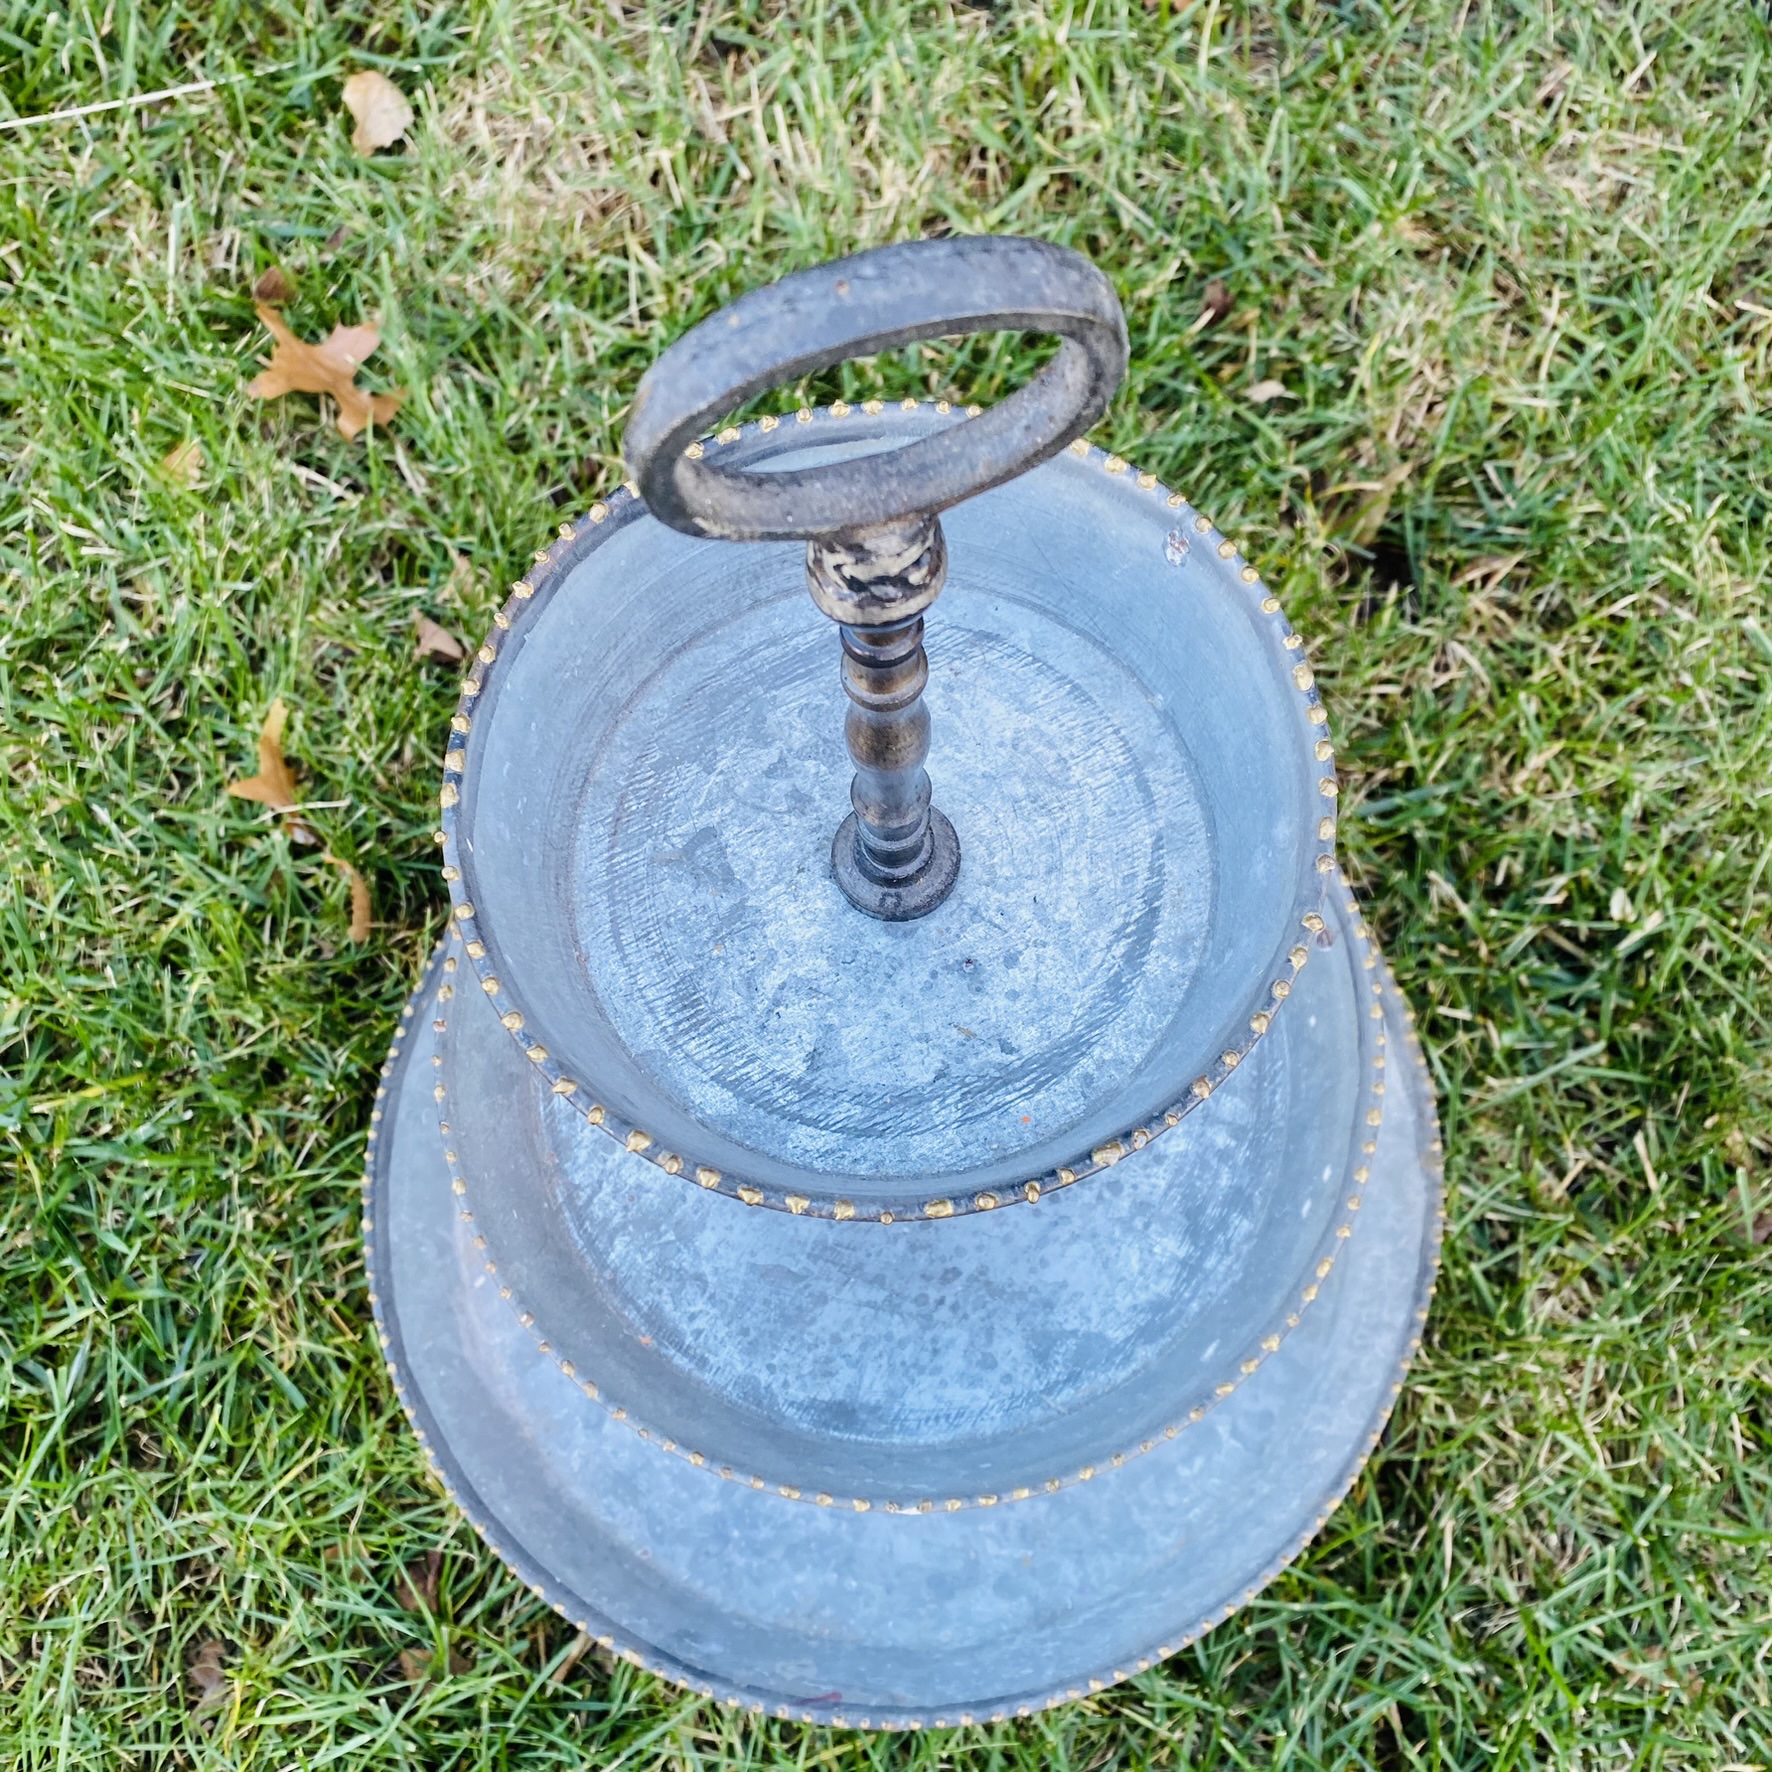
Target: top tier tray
638 806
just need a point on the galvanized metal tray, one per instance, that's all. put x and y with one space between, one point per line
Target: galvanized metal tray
637 812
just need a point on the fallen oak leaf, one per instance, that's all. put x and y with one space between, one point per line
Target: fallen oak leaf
274 288
383 116
329 367
274 785
436 645
360 907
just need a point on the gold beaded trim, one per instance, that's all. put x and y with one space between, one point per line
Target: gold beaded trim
571 1607
552 564
1318 1270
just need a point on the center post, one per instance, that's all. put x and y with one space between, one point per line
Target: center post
895 856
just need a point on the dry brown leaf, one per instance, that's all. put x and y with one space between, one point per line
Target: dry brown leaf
436 645
274 785
1215 303
208 1677
274 288
329 367
359 929
1264 391
184 465
380 108
415 1587
1762 1228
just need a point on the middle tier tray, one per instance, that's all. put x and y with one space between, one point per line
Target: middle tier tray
919 1360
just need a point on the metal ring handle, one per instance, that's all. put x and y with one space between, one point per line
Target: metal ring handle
854 307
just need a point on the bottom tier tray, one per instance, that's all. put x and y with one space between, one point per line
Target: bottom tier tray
876 1619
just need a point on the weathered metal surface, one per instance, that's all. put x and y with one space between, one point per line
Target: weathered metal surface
929 1359
728 1245
881 1619
1132 747
875 301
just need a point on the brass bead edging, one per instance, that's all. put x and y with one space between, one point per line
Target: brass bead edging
575 541
572 1607
1321 1263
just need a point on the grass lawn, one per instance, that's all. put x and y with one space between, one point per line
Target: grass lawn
1510 265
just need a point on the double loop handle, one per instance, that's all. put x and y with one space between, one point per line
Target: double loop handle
854 307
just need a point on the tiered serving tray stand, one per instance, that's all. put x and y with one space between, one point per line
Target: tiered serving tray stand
918 1267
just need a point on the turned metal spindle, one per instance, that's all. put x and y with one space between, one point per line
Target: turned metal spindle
884 673
895 857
